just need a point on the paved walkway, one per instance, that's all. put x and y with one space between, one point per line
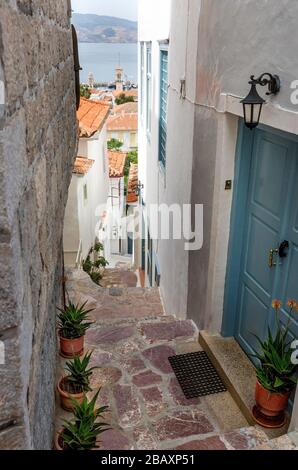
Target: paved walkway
132 340
119 277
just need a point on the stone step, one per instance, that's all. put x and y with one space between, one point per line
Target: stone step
286 442
247 438
244 439
238 374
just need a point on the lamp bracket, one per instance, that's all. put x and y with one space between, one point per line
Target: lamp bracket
139 189
267 79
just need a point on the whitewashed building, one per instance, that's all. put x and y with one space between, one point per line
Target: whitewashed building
117 201
124 127
196 59
85 215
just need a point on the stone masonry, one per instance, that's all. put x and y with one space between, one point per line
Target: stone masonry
131 341
37 146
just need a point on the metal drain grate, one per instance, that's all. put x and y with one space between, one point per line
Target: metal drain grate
196 375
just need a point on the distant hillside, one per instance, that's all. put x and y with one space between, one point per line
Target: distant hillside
95 28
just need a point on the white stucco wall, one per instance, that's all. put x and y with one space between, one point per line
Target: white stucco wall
251 39
82 216
71 232
117 208
177 23
216 45
236 39
129 139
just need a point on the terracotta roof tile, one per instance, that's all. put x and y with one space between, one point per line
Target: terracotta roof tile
92 116
134 93
116 163
123 122
133 180
82 165
125 108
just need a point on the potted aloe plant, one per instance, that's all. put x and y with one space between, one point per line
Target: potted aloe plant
73 322
276 375
73 387
82 432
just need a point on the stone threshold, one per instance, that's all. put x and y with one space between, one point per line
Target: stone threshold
237 373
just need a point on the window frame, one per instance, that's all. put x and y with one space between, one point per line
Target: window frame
143 81
148 81
85 193
164 49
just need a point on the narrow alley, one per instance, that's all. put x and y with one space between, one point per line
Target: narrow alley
131 341
148 231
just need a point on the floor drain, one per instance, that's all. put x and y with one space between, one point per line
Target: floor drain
196 375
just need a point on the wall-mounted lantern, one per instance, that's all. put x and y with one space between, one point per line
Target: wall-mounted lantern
139 188
253 103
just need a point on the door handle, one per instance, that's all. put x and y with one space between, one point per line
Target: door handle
271 261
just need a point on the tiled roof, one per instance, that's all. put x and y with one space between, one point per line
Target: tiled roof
132 184
133 93
126 108
116 163
82 165
95 91
123 122
92 116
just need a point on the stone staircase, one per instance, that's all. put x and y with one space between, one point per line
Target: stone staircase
131 340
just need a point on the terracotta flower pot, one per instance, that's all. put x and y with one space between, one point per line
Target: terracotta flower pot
270 407
71 348
67 397
57 441
58 444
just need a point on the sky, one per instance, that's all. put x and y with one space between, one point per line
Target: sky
120 8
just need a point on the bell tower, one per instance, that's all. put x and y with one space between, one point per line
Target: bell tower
119 78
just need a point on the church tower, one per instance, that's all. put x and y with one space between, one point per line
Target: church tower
119 78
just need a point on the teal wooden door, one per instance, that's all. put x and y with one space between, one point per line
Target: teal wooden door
270 218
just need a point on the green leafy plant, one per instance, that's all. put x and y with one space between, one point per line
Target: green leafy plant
276 372
96 277
132 157
93 268
115 145
82 432
79 373
85 91
101 262
98 247
87 265
73 320
123 98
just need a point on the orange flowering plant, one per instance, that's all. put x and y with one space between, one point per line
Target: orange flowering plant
276 372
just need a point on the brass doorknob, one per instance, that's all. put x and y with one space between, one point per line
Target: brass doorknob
271 261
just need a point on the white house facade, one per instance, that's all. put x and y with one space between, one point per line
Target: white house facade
124 127
194 148
85 216
117 162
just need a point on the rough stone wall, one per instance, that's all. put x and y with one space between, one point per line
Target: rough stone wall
37 147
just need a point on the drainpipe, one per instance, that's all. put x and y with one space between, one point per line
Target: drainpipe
63 280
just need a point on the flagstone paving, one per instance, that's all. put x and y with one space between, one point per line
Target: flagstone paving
131 341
